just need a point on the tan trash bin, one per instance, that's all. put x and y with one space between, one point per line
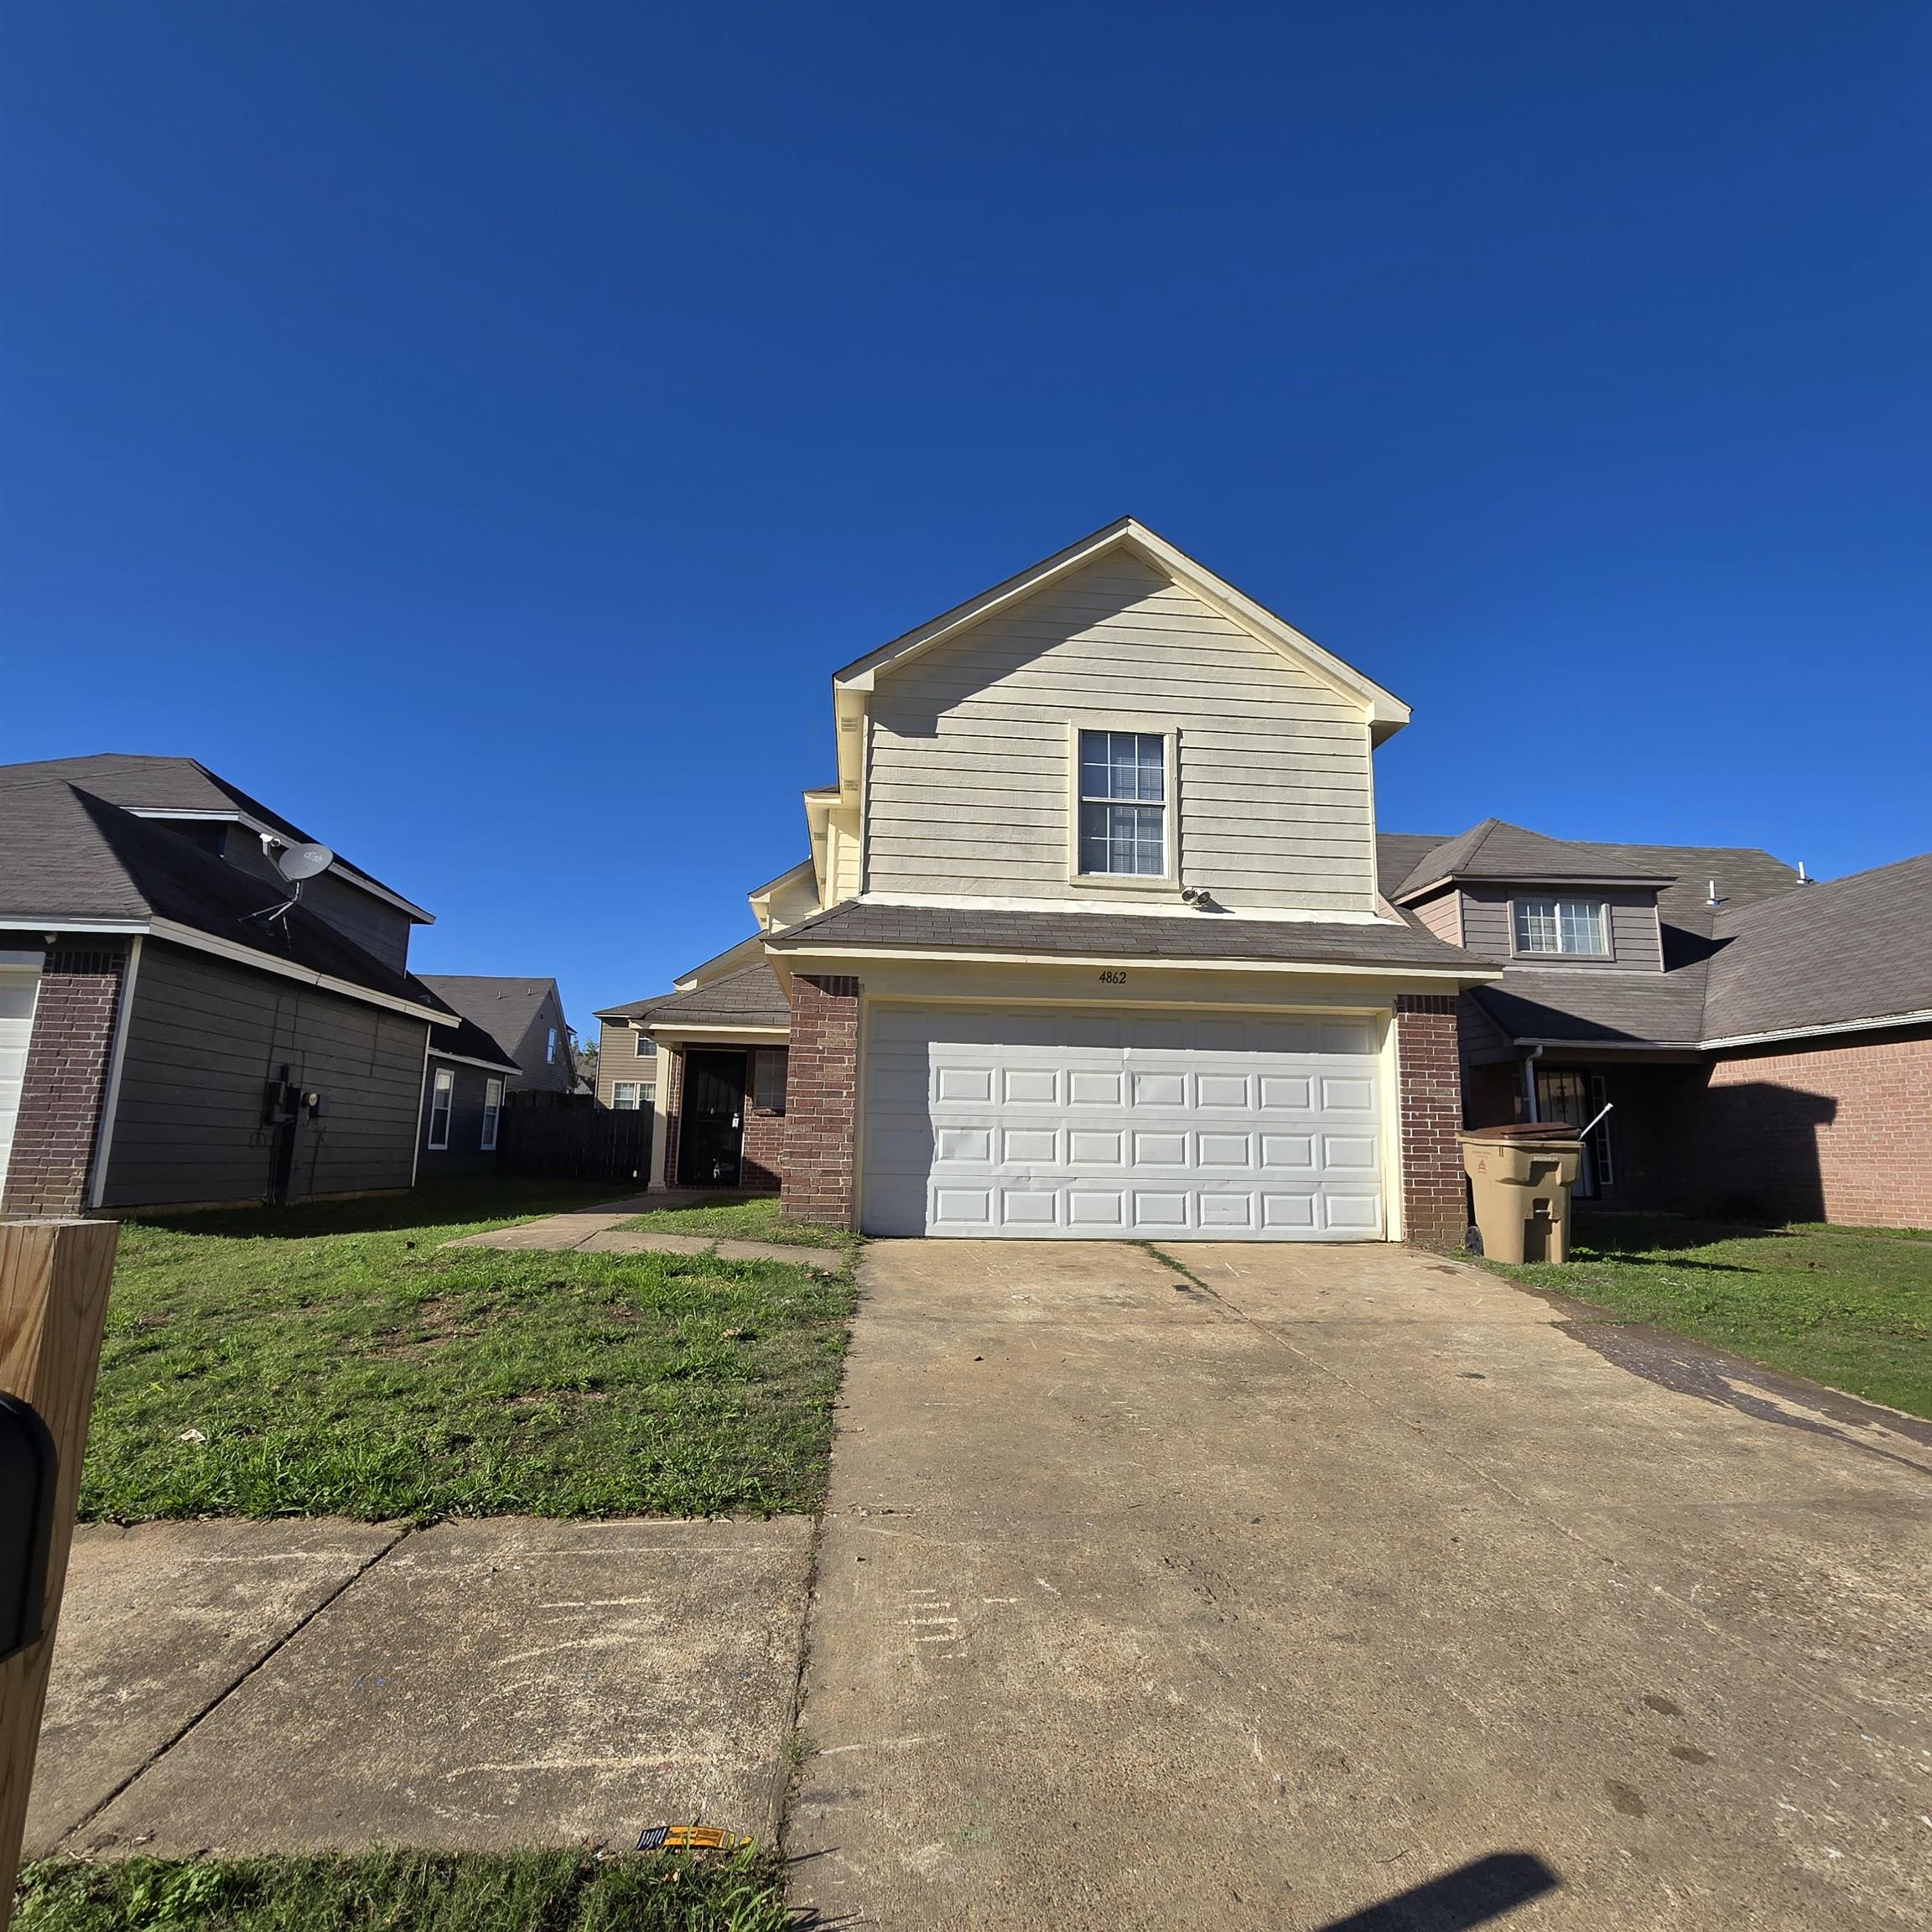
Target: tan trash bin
1521 1177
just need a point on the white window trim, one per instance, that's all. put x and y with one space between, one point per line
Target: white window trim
637 1092
1169 878
437 1089
493 1114
550 1048
1556 901
642 1046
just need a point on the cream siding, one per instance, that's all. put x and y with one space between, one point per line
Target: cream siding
617 1059
1634 939
968 776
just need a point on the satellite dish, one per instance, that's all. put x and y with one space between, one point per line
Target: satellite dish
296 863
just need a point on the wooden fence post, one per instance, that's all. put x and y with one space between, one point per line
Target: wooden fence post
54 1280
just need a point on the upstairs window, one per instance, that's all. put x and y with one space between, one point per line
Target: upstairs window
1563 926
550 1049
442 1104
643 1046
1124 804
492 1113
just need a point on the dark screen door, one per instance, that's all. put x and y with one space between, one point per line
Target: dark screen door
711 1134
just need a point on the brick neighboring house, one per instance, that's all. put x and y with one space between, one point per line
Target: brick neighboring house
177 1026
1764 1043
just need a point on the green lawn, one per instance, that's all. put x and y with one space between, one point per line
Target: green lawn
408 1892
1850 1306
754 1217
336 1359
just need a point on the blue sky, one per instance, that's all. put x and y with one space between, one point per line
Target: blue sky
480 429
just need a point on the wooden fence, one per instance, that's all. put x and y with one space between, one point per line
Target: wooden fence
570 1137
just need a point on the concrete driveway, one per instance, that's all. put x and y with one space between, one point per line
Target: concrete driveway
1344 1577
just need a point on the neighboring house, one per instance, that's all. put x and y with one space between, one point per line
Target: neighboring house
728 1039
173 1029
464 1085
1764 1043
524 1016
1089 941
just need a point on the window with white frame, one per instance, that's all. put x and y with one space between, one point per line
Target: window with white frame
550 1049
1123 804
643 1046
492 1113
1572 926
629 1096
442 1102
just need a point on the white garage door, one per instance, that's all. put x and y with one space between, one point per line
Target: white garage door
18 986
1011 1122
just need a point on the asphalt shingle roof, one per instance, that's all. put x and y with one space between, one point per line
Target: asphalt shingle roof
750 997
139 783
1194 936
1854 949
66 854
1496 850
503 1007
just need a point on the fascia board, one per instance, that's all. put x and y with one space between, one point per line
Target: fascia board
806 959
200 942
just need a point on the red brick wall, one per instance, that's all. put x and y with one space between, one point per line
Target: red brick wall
764 1162
1836 1133
1434 1212
822 1101
66 1077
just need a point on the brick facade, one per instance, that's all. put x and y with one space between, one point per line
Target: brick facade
68 1057
822 1101
763 1160
1836 1133
1435 1210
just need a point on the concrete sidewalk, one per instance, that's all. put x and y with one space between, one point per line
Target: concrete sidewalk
243 1687
1271 1586
601 1231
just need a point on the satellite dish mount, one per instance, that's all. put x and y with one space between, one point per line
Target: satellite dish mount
297 859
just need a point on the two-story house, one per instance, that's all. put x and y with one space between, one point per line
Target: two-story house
1763 1043
180 1024
1089 941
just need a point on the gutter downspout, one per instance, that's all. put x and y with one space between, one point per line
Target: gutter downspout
1529 1060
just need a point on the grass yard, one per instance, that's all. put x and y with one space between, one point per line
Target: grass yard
1849 1307
336 1359
753 1218
408 1892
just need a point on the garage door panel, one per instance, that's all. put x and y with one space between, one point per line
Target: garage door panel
1025 1123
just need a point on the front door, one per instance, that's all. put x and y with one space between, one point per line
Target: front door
711 1133
1565 1094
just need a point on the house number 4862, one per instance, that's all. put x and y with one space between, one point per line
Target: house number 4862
1112 978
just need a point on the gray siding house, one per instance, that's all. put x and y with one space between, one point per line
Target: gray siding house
525 1017
177 1026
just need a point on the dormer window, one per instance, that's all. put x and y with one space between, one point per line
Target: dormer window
1580 928
1122 827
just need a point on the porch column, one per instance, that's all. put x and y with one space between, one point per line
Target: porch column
1428 1058
822 1101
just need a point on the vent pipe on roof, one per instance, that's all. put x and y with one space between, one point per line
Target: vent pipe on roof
1711 896
1804 878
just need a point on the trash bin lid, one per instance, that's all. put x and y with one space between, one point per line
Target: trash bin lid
1525 1130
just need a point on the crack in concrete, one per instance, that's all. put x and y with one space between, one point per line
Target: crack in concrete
230 1688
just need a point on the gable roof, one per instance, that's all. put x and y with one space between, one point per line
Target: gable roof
471 1042
504 1008
156 787
1386 713
1497 849
70 860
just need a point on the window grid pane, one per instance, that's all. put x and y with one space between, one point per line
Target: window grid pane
1580 923
1535 925
1123 797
